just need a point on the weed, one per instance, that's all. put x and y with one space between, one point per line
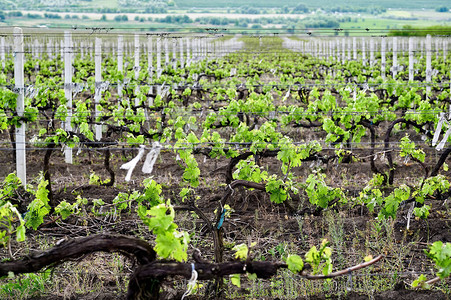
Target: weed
302 237
26 285
337 237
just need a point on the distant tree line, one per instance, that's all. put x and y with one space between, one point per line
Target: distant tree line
71 6
302 8
179 19
162 6
317 21
374 10
19 14
121 18
312 21
442 9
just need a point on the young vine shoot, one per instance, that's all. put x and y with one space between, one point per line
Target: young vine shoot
197 138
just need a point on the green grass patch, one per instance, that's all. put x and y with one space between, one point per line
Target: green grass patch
422 31
106 3
378 26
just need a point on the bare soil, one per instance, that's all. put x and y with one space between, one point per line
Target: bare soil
291 227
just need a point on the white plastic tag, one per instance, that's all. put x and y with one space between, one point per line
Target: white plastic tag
445 138
439 129
151 158
130 166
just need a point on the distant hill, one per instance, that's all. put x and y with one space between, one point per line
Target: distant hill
151 6
405 4
250 6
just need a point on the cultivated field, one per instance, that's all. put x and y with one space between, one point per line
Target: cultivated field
236 166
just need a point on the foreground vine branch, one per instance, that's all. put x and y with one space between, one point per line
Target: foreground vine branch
149 273
76 248
157 271
345 271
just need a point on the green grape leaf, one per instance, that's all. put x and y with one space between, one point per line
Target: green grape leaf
168 245
236 280
20 233
295 263
421 281
241 251
64 209
161 221
422 212
39 207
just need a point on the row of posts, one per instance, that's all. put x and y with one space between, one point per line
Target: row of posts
346 49
184 50
196 49
189 50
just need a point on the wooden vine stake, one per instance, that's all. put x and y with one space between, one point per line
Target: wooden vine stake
436 48
136 68
36 54
2 51
158 57
68 89
349 49
49 49
334 50
182 59
330 53
174 53
166 52
383 45
363 52
120 64
395 58
445 49
371 52
343 51
326 50
428 63
149 56
193 49
411 59
150 65
98 83
188 53
317 49
62 50
197 49
21 166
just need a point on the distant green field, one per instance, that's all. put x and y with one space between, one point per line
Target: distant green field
381 26
105 3
408 4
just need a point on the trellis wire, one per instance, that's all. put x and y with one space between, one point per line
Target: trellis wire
207 146
202 51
